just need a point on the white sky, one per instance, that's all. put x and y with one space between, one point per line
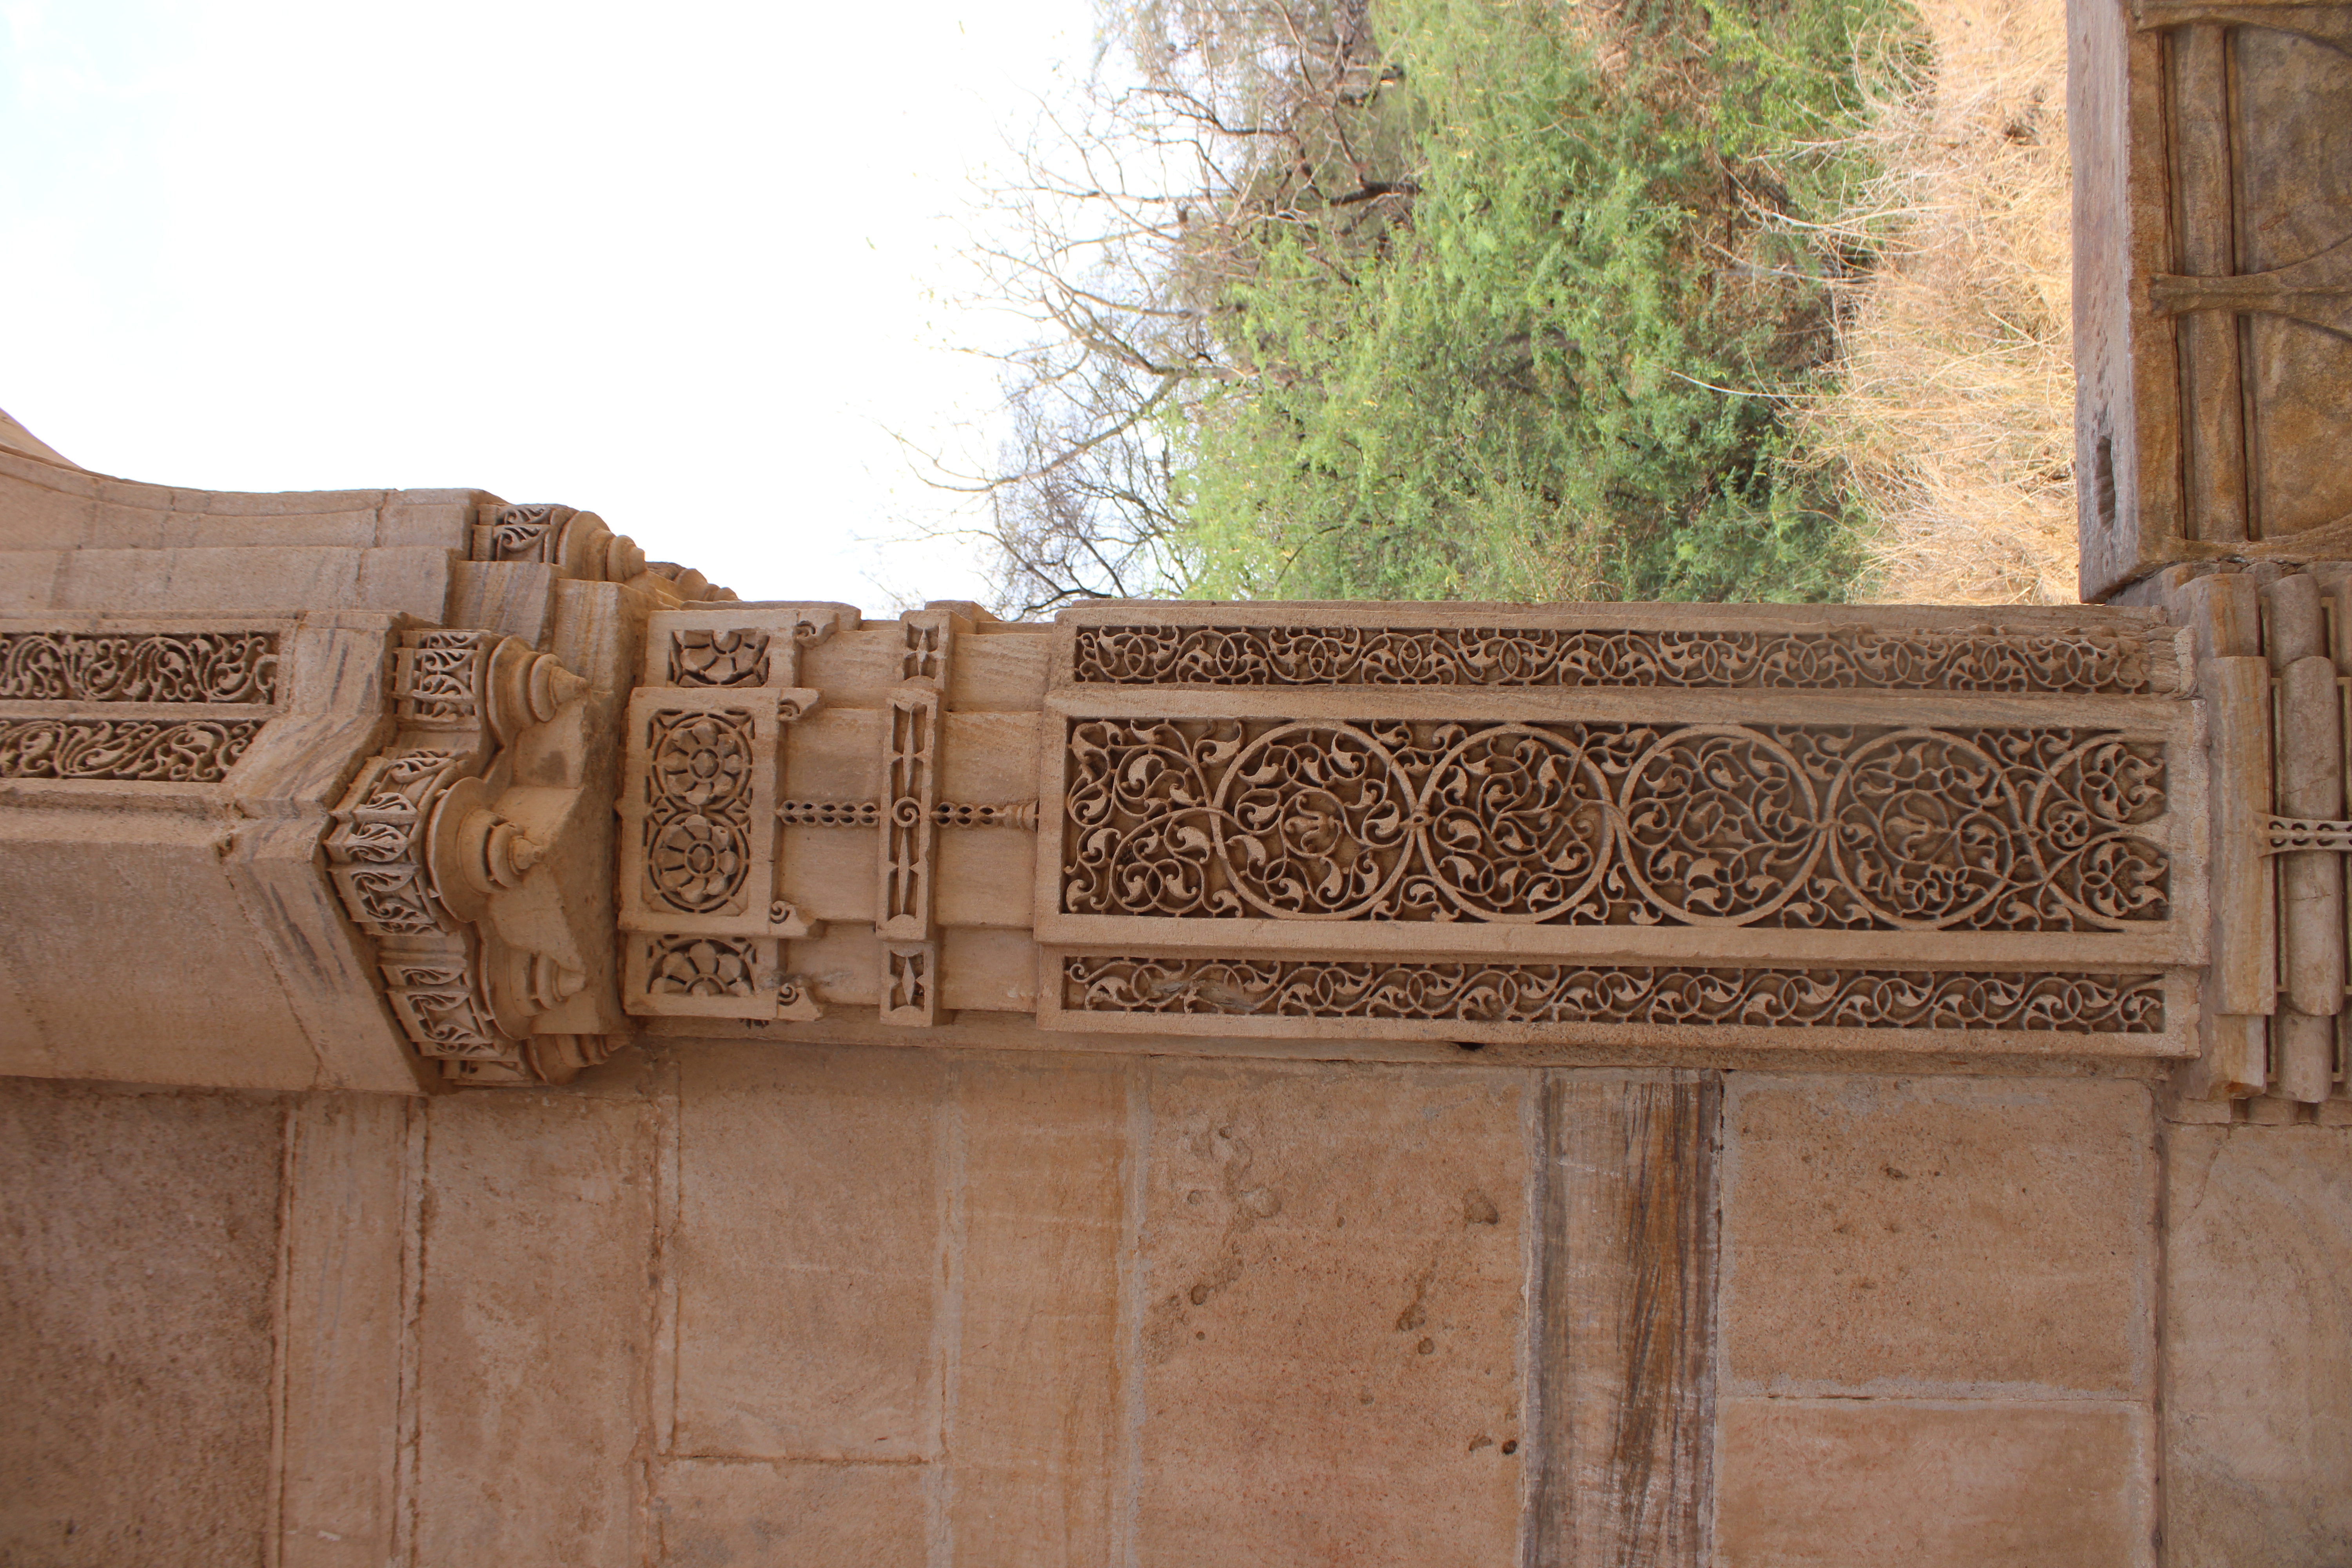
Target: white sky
686 265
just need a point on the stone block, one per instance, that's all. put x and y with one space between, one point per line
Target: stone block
1624 1348
347 1216
352 530
204 580
442 519
20 466
987 971
1332 1282
36 515
279 503
114 525
412 580
987 877
1866 1483
1944 1236
2258 1347
121 582
141 1234
808 1253
840 1516
534 1329
1033 1420
28 580
194 1001
998 672
508 596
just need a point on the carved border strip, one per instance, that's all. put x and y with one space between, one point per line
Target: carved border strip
139 666
1838 658
130 751
1473 993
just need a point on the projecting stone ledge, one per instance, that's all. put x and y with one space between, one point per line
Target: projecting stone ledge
485 836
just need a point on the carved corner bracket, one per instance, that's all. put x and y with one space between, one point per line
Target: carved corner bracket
438 849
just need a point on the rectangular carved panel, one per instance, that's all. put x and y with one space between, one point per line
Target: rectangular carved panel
698 802
699 975
139 666
133 750
1476 997
910 777
1796 827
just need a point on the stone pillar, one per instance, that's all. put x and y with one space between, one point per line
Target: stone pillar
2213 284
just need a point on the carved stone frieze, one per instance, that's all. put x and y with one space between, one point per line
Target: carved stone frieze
1473 995
139 666
1810 827
1850 657
128 750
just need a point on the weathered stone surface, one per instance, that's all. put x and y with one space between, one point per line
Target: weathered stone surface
1863 1484
842 1516
198 1003
1332 1296
1625 1344
534 1328
809 1253
1938 1237
2258 1346
345 1262
140 1233
1033 1425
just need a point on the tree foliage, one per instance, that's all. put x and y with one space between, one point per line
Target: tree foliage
1431 298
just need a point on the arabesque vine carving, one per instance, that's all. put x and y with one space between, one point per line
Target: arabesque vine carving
1474 992
1835 657
130 751
697 833
1825 826
139 666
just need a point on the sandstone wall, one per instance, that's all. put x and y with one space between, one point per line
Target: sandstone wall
749 1304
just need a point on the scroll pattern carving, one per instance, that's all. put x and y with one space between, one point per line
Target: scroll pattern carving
1842 658
131 751
521 533
436 681
377 850
698 788
1474 994
719 658
439 999
1827 827
139 666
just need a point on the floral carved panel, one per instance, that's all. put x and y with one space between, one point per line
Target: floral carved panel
1843 827
697 827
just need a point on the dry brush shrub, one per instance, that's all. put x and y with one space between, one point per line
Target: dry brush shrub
1953 415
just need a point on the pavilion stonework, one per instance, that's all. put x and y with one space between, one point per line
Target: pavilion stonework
519 1056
